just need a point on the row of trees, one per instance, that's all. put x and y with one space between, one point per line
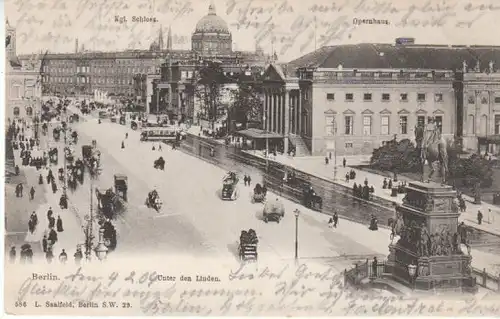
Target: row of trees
242 104
403 157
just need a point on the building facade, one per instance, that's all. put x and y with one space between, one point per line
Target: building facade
124 73
351 99
22 83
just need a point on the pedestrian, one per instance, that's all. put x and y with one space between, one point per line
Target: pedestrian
347 177
123 144
153 148
330 222
78 255
44 243
245 179
344 162
335 219
49 255
59 224
126 135
40 179
326 160
50 212
249 180
32 193
63 257
479 217
12 254
17 170
330 155
20 185
374 267
159 147
52 236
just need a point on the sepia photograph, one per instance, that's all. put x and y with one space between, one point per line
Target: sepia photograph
251 158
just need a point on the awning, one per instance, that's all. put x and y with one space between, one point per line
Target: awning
255 133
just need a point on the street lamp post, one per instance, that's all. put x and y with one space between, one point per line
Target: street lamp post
335 150
267 143
296 213
101 250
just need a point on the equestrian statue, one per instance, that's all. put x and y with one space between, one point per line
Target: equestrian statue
432 148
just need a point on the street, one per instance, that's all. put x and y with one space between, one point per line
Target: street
194 220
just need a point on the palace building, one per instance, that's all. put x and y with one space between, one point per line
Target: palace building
22 83
125 73
350 99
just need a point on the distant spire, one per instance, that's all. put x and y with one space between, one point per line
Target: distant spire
76 45
169 38
211 8
160 38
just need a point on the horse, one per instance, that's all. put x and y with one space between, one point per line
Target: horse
433 148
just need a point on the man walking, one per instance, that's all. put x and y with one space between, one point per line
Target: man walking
32 193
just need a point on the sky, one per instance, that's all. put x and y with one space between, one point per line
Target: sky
292 28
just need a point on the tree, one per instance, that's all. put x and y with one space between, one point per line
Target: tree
247 103
208 83
397 157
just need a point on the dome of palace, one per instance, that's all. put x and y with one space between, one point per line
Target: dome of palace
211 23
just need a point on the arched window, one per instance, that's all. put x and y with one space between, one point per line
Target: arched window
29 111
471 125
16 111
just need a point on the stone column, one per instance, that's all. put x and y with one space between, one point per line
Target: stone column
299 98
279 98
477 116
296 103
273 112
286 108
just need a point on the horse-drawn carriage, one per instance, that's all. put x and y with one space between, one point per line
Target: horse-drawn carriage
74 136
122 120
69 153
153 201
159 163
274 211
109 203
259 193
109 234
248 245
134 125
91 158
53 155
310 198
56 133
230 186
121 186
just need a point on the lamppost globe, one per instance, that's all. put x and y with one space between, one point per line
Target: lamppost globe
296 213
101 250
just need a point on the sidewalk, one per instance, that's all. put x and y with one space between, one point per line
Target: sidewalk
72 233
317 167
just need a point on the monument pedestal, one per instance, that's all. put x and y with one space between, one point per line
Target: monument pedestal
427 223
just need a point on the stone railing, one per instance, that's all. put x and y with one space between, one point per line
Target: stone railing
486 280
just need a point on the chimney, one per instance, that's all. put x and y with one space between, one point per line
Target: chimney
405 41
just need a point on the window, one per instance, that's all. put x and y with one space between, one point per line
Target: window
484 100
330 96
349 97
439 123
384 129
348 145
403 125
367 125
438 97
386 97
330 125
349 129
497 124
472 100
403 97
421 97
421 121
367 97
497 99
306 95
29 111
16 111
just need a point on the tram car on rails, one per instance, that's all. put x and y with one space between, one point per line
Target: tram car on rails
273 211
53 155
247 249
230 186
259 193
159 133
